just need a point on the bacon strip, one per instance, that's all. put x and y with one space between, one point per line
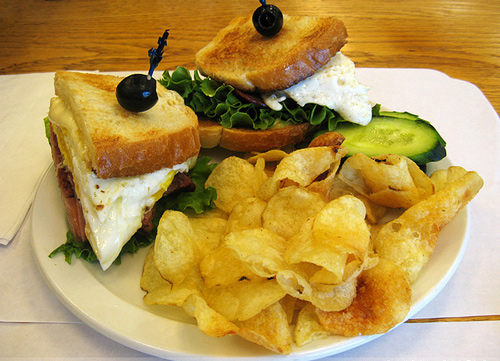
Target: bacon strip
74 211
251 98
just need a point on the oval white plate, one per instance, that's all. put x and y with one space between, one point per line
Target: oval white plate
111 301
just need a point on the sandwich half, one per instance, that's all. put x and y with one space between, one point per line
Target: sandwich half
113 165
286 84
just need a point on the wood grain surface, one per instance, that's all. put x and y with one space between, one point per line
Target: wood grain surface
459 38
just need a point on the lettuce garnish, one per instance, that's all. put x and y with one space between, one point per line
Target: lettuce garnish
221 103
200 200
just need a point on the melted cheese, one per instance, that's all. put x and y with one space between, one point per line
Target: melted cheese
113 208
335 86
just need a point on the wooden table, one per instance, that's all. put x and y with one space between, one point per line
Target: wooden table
459 38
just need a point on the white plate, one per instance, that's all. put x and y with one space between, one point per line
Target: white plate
111 301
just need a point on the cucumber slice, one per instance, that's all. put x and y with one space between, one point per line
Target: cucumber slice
393 132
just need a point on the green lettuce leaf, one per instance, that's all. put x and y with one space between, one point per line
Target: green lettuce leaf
46 124
73 247
220 103
200 200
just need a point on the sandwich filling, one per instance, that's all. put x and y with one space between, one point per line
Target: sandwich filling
335 86
113 208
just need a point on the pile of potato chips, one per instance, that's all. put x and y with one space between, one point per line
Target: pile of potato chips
297 248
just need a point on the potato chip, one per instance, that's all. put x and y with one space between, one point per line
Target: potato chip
330 139
289 304
244 299
300 167
270 159
191 284
326 277
303 166
234 179
374 212
208 233
382 301
269 328
442 177
286 211
330 298
319 274
273 155
389 180
304 248
222 267
333 242
209 321
246 214
300 245
409 240
260 249
175 251
152 282
324 187
341 224
308 328
259 174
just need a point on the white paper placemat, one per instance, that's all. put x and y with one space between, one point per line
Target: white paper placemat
28 306
25 153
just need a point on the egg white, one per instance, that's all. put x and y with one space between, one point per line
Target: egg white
334 85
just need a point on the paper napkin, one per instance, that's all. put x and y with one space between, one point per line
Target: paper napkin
24 149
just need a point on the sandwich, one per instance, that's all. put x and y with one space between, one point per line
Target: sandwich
113 164
254 92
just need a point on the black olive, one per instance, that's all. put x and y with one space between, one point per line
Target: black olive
268 20
137 93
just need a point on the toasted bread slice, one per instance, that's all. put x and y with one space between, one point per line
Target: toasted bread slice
121 143
213 134
241 57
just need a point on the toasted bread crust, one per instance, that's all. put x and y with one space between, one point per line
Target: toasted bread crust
213 134
210 133
114 158
122 143
241 57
